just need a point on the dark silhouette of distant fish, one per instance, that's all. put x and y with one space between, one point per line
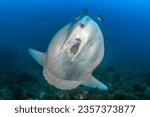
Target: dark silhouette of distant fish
85 11
74 52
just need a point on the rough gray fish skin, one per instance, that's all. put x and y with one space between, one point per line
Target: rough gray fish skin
72 55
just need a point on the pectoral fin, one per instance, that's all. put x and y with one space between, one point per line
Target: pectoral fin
38 56
94 83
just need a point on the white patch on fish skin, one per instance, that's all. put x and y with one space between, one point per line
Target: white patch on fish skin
72 55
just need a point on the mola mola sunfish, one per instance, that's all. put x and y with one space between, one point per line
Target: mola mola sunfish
72 55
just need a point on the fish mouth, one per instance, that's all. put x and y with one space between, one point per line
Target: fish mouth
73 48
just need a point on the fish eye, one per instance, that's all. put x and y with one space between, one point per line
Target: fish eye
82 25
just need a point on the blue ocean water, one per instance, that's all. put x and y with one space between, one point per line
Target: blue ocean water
33 23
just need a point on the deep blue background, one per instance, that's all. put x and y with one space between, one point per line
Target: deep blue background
126 28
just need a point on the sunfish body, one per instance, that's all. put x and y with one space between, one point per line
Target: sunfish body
72 55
